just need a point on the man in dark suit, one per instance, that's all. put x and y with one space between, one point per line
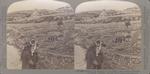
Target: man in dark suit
94 55
35 60
29 55
26 56
91 57
35 56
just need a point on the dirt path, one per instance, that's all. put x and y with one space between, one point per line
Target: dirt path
80 62
13 58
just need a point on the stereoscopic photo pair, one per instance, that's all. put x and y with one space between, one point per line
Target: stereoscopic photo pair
99 34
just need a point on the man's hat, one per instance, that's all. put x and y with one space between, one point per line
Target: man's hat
32 41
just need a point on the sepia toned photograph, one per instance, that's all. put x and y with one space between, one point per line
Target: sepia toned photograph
99 35
39 35
108 36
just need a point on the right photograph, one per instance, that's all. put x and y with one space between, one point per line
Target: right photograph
108 35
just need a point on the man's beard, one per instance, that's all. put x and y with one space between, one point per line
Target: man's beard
98 49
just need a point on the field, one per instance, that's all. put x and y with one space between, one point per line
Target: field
64 37
123 41
55 41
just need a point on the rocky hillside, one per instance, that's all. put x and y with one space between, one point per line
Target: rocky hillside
52 31
120 31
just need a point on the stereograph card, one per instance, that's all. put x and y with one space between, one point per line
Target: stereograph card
74 36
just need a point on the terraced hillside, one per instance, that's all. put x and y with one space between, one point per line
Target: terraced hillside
119 30
52 29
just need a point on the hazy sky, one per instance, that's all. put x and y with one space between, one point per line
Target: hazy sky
35 4
83 7
104 4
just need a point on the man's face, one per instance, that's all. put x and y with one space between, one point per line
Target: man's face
32 42
98 43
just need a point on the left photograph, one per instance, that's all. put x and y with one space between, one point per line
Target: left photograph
40 35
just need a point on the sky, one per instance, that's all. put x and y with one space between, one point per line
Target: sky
83 7
104 4
35 4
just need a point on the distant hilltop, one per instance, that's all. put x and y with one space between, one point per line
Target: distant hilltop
27 15
110 12
109 15
42 11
